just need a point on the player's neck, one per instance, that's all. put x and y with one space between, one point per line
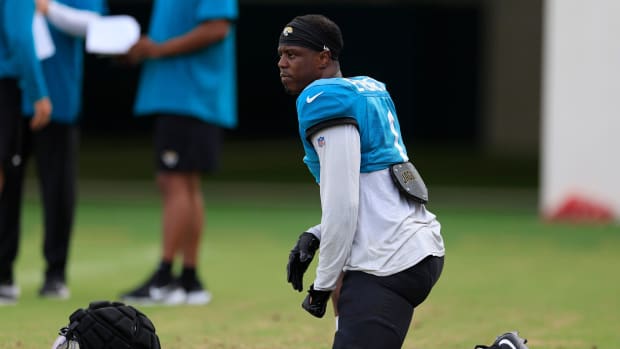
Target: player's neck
333 71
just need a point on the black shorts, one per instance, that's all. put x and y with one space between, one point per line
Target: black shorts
10 119
186 144
375 312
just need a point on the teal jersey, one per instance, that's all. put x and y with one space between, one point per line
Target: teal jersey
64 70
361 101
201 84
18 58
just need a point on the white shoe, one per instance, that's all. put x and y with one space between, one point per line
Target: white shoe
196 293
199 297
173 295
9 293
152 292
55 289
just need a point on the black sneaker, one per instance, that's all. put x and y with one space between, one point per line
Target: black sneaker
158 289
9 293
54 288
196 294
508 340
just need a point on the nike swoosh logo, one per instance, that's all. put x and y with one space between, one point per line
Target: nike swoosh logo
507 342
311 99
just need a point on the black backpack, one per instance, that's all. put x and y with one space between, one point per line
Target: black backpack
110 325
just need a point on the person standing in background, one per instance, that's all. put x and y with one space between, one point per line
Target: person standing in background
21 76
188 83
56 146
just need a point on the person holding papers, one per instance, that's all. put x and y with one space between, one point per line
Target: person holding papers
21 76
188 82
55 148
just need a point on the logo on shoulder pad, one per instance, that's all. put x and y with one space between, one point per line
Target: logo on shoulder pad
311 99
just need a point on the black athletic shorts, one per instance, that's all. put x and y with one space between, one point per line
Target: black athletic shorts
375 312
10 118
186 144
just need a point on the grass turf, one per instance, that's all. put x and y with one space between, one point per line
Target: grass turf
505 270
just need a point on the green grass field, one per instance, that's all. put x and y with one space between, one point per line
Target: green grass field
505 269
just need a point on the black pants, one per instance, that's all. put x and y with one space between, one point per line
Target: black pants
375 312
10 115
55 150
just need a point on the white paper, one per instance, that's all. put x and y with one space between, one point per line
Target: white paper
112 35
43 43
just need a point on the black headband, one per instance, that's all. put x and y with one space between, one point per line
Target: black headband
301 33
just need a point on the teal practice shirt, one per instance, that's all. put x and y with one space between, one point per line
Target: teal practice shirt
65 69
201 84
18 58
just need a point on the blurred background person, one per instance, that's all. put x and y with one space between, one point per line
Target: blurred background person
188 83
21 74
55 147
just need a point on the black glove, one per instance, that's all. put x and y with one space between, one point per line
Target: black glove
299 259
316 301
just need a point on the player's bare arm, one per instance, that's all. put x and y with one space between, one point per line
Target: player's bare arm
203 35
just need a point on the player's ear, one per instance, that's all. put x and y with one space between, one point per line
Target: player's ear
324 59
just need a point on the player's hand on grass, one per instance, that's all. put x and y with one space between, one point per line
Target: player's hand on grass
300 258
316 302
